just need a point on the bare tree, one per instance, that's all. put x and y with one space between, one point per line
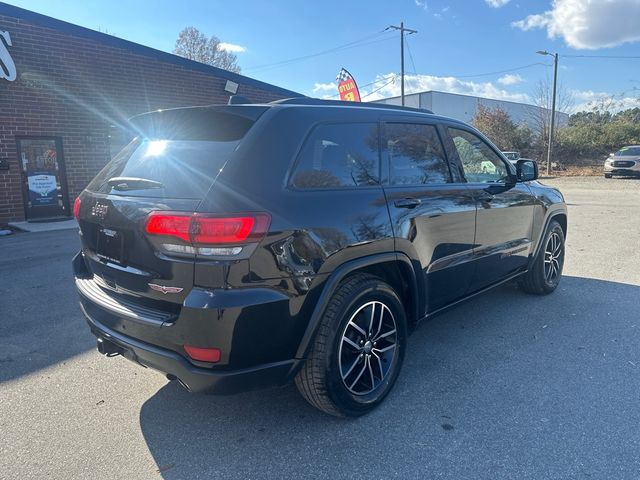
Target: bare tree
195 45
541 116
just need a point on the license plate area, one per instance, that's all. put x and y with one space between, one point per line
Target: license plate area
110 246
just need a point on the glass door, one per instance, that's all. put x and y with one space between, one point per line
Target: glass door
44 178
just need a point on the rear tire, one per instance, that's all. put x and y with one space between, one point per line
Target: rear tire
544 275
358 350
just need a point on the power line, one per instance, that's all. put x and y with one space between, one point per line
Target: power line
411 57
393 79
488 74
367 40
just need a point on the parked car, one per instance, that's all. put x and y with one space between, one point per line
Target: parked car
512 156
240 246
625 162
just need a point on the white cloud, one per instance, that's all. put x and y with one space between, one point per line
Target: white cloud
422 83
497 3
510 79
231 47
533 21
588 24
325 87
589 100
422 4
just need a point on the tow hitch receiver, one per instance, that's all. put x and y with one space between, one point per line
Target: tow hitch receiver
108 348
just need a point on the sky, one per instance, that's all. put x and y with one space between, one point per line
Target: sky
476 47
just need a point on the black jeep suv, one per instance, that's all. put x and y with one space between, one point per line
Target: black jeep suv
241 246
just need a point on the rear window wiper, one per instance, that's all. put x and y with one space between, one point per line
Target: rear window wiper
133 183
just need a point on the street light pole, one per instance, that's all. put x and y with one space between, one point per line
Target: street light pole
402 30
553 106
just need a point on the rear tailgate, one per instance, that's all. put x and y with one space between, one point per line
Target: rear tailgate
143 280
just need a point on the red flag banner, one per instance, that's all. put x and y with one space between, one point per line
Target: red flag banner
347 87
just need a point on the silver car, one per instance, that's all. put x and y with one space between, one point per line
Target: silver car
625 162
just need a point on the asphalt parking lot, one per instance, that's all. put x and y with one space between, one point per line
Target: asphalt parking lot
506 386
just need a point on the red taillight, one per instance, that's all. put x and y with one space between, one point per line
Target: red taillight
76 208
204 229
222 230
203 354
170 225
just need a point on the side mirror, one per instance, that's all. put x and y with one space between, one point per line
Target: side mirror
527 170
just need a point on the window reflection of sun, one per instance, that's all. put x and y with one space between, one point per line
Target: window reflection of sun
155 148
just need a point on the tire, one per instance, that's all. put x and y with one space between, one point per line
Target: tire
607 175
332 379
546 271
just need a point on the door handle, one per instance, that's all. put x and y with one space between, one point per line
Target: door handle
407 203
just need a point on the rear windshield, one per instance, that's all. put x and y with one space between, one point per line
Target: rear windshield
173 155
628 152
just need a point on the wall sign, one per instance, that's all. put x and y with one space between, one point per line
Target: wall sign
7 65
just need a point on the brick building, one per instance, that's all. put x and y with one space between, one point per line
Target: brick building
64 90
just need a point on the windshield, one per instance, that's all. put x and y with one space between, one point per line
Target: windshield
628 152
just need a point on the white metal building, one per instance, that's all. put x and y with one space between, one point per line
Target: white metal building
463 107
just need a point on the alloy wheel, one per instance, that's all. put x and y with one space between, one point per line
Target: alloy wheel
367 348
553 258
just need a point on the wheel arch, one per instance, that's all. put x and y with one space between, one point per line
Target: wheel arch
559 216
393 267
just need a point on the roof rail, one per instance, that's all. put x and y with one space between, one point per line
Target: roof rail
339 103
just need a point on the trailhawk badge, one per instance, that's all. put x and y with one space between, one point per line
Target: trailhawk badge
163 289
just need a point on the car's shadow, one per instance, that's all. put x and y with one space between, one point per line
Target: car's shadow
505 382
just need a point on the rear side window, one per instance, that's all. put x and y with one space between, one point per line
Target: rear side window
416 156
339 155
177 155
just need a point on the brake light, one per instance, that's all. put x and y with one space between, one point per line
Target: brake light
222 230
76 208
200 229
169 225
203 354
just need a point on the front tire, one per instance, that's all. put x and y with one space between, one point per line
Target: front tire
544 275
358 350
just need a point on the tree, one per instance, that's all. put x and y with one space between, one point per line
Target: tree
593 134
498 126
541 116
194 45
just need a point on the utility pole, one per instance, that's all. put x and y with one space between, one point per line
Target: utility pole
553 105
402 30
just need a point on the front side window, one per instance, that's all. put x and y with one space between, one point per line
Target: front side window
339 155
416 156
480 163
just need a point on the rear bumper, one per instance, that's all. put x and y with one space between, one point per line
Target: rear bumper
195 379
